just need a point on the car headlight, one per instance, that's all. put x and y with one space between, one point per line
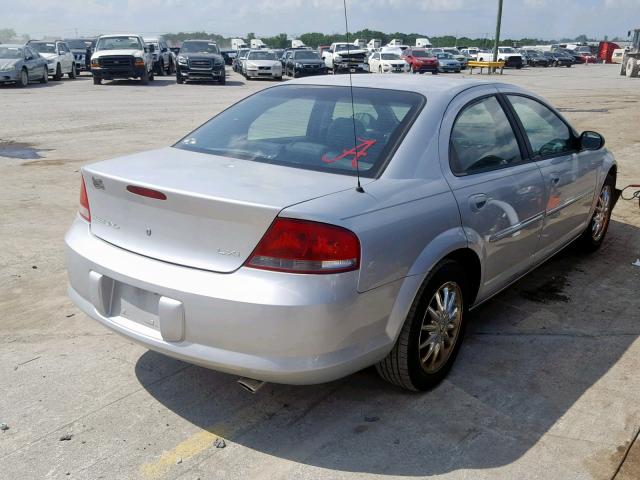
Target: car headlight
51 62
337 58
8 68
252 66
138 61
182 60
298 65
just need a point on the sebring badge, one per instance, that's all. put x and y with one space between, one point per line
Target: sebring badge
228 253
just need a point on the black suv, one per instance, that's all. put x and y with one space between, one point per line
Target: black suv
82 49
200 60
299 63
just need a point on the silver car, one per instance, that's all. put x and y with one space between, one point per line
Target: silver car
20 64
273 244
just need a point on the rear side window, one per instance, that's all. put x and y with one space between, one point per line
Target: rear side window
482 139
311 127
547 134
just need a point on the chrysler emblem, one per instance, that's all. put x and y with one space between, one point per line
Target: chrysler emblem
148 232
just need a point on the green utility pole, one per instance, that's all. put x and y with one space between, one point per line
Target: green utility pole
498 23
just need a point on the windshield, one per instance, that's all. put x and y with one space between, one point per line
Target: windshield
306 55
507 50
311 127
199 47
78 44
453 51
43 47
11 52
118 43
390 56
344 47
420 53
261 56
445 56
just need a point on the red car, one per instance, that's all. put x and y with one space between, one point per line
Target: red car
421 60
587 58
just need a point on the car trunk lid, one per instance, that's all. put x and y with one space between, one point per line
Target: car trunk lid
215 210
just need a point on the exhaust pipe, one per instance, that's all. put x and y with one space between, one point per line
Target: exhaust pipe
251 385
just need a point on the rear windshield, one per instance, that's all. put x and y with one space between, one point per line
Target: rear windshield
311 127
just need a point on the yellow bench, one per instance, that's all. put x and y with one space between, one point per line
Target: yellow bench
490 66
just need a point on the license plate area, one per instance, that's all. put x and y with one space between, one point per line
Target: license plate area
136 305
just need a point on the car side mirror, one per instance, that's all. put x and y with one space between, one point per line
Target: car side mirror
164 50
152 48
591 140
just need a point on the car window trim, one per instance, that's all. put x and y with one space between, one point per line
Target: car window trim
533 156
525 158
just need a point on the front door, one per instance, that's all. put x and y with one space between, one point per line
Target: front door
569 174
500 193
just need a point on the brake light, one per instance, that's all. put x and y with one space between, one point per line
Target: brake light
83 208
146 192
302 246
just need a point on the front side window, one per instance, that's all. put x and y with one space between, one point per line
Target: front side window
482 139
547 134
311 127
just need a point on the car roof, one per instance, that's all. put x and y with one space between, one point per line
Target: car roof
200 40
120 35
412 83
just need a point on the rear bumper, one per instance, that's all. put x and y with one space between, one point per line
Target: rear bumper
284 328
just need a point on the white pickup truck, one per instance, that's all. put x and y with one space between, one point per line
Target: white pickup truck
347 57
122 57
508 55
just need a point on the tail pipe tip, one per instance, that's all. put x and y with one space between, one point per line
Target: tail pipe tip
251 385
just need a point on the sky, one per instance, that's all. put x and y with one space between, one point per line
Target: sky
546 19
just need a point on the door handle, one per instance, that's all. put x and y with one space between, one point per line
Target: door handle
478 202
555 180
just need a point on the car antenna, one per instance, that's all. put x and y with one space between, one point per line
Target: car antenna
353 108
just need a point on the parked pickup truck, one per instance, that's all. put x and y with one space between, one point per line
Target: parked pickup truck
508 55
346 57
122 56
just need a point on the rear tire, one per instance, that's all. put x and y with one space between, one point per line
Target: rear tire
593 236
431 336
97 80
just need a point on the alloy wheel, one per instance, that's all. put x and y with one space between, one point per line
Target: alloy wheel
602 214
440 327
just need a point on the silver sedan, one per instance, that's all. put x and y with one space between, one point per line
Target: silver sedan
273 243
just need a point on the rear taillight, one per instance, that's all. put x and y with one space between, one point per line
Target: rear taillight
301 246
83 208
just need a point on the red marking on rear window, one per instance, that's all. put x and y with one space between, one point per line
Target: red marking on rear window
357 152
146 192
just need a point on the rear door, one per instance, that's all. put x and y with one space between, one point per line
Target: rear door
499 192
569 174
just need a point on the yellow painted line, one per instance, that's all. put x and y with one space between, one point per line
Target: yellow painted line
186 449
243 418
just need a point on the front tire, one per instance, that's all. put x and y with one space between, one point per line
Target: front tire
58 74
593 236
432 332
97 80
23 81
223 79
72 73
45 75
632 68
144 80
